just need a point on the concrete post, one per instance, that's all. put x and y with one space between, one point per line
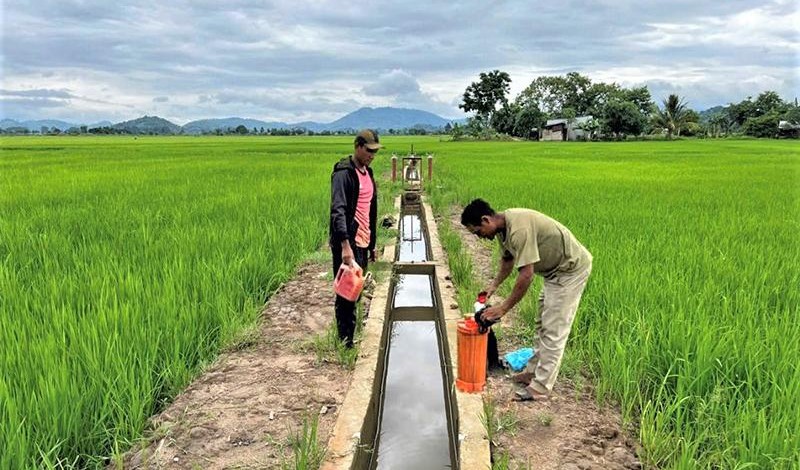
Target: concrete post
430 167
394 168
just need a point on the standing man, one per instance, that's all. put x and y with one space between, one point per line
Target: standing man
534 243
354 210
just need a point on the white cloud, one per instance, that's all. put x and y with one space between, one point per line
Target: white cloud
394 83
754 27
309 60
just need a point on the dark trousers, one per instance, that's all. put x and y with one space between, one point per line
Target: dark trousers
346 310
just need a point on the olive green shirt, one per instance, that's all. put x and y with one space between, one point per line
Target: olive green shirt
534 238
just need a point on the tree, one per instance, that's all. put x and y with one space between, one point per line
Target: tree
762 126
718 124
640 97
590 127
457 131
528 121
552 94
673 117
486 94
240 129
792 114
503 119
769 102
478 127
623 117
742 111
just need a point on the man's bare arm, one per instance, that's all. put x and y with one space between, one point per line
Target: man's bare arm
524 280
506 265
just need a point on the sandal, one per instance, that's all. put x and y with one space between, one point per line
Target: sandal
529 394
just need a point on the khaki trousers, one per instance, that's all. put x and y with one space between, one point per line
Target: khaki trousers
558 303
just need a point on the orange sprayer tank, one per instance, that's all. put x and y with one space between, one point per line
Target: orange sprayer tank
471 357
349 281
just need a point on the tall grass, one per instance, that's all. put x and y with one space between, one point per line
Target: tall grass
126 264
690 317
307 451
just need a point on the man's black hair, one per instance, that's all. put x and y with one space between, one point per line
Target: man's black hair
360 141
474 211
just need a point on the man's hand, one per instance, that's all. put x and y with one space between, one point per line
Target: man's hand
372 255
489 291
347 253
493 313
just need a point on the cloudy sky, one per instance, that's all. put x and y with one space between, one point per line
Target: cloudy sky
88 60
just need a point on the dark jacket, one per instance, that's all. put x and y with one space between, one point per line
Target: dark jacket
344 198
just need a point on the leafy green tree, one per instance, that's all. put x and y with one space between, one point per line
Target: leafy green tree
792 114
600 94
591 128
673 116
528 121
486 94
719 124
504 118
552 94
762 126
640 97
240 129
623 118
478 127
457 131
769 102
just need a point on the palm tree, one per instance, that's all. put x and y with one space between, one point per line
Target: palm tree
673 116
719 124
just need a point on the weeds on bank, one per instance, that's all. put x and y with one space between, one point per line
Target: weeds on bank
327 346
503 462
495 422
308 453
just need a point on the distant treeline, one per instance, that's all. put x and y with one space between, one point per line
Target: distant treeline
239 130
609 111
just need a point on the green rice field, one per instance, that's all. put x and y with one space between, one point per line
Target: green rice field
126 264
690 319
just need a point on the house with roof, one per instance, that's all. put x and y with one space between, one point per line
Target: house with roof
566 129
789 129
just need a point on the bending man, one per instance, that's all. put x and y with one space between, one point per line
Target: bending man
535 244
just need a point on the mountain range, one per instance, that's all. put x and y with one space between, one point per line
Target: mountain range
381 119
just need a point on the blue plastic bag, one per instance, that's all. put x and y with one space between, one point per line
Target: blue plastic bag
519 358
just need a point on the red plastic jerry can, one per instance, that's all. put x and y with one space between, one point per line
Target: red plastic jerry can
349 281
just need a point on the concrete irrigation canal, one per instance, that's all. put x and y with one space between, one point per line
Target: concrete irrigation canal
402 410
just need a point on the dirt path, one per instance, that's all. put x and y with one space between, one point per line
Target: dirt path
241 412
569 431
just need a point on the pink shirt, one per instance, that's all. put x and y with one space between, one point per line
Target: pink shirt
365 192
